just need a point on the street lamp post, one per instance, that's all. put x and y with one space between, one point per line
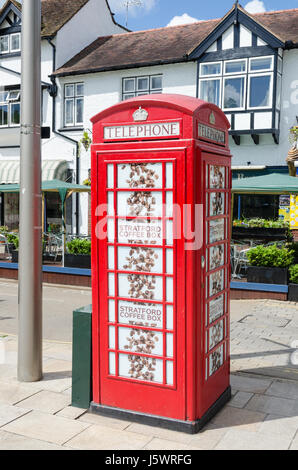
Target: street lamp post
30 256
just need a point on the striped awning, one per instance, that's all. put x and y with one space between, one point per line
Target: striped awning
51 170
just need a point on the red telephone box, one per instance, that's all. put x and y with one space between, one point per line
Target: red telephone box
161 180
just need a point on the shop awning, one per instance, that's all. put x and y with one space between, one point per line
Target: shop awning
49 186
275 183
51 170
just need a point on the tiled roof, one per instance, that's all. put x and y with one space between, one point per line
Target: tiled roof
165 45
55 13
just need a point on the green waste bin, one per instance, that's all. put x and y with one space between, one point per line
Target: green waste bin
82 357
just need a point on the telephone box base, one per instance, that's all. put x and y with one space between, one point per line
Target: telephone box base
189 427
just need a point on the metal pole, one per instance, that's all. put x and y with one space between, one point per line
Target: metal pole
30 256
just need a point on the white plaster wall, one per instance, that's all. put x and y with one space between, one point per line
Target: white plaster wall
92 21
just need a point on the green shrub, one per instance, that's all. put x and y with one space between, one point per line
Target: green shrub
293 270
294 247
3 229
79 246
13 239
270 256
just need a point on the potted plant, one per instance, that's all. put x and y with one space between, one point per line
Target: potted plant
13 246
293 285
269 264
78 253
258 228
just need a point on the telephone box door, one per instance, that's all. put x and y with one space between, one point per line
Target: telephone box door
141 328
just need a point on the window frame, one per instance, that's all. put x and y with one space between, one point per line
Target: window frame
252 75
9 103
261 70
10 42
228 74
212 78
73 98
220 62
125 95
229 77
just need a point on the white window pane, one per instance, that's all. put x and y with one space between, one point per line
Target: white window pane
170 289
80 110
111 284
128 84
156 82
80 89
110 176
169 261
235 66
15 113
128 96
112 363
169 175
15 42
170 373
13 95
278 91
170 345
3 115
110 203
4 44
69 91
260 87
170 318
211 69
112 337
210 91
111 257
69 111
142 83
261 63
234 92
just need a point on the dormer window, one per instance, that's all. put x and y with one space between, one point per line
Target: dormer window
10 43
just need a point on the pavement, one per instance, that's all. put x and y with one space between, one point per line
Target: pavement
263 412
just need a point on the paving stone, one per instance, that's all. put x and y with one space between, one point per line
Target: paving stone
163 444
9 413
161 433
9 441
11 393
250 384
239 439
45 401
104 438
113 423
283 389
61 351
71 412
241 418
45 427
208 438
273 405
240 399
294 444
280 426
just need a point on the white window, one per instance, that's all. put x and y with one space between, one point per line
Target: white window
15 42
210 90
235 66
140 86
10 108
261 64
260 90
73 104
4 44
10 43
210 68
239 84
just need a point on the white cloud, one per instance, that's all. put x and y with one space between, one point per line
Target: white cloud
183 19
255 6
119 6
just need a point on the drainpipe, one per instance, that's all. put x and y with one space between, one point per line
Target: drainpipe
53 94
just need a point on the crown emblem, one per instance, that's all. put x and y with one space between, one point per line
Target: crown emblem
140 114
212 118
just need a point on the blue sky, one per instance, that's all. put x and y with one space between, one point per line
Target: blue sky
158 13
